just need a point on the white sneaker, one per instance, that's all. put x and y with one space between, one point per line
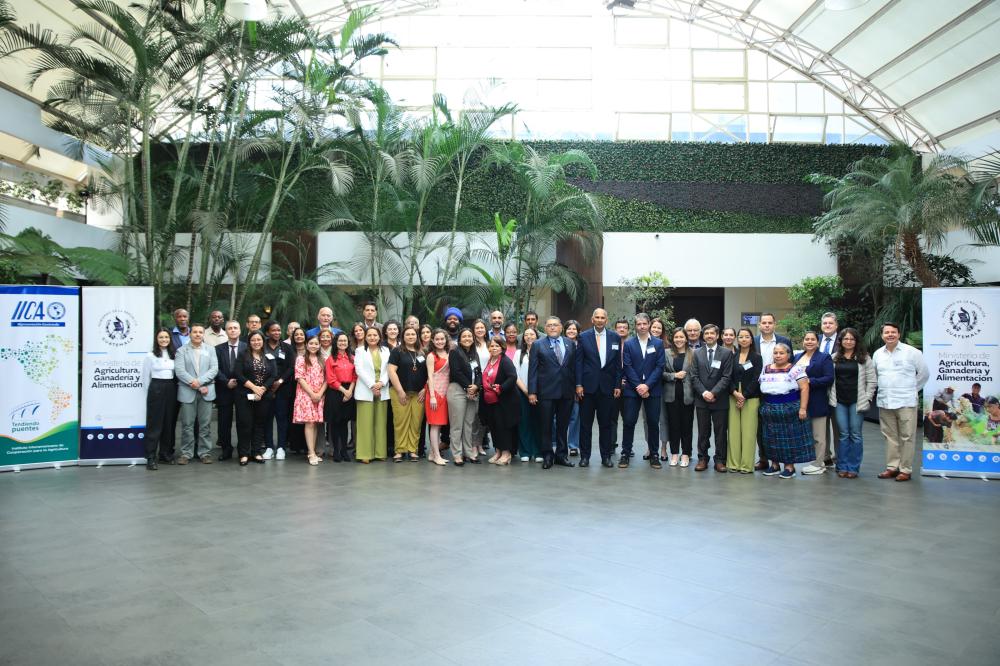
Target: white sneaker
268 453
539 459
813 469
525 459
280 455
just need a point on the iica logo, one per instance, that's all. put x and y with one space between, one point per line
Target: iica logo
38 313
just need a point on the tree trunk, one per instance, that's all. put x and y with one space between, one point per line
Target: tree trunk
914 256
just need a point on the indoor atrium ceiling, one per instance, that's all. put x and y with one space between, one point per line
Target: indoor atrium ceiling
923 71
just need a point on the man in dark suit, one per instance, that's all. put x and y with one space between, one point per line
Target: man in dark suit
766 340
598 383
551 386
226 385
642 365
710 373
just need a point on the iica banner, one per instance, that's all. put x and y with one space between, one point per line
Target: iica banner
117 333
962 398
39 361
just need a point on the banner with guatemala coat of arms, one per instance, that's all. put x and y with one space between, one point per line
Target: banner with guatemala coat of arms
961 407
117 333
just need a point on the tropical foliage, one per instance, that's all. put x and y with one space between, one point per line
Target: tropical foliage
32 256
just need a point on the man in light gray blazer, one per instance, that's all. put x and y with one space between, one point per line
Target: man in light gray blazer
196 365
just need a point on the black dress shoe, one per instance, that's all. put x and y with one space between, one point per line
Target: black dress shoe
564 462
547 463
654 462
606 462
585 462
474 460
226 455
151 464
623 461
167 460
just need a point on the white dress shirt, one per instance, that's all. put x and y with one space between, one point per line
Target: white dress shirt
901 374
602 351
827 344
156 366
767 349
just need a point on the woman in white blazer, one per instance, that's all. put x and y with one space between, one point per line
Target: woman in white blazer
371 395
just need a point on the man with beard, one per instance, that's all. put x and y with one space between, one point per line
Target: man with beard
452 323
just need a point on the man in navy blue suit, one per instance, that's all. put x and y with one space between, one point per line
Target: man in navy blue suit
226 385
598 383
551 384
643 367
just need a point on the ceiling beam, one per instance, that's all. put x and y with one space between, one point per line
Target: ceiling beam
864 26
952 81
802 17
955 22
995 115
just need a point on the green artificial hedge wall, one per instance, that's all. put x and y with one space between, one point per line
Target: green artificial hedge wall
487 191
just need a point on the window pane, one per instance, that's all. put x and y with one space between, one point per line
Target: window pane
809 98
718 64
644 126
798 129
410 62
630 31
720 96
564 95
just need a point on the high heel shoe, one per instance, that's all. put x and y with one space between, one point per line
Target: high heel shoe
439 461
259 460
244 462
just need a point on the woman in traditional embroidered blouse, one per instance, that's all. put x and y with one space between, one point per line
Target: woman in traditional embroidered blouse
787 432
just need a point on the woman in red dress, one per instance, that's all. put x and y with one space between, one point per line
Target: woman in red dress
436 409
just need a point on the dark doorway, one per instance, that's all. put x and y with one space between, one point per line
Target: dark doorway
706 304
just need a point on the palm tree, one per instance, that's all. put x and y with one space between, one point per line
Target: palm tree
33 255
890 203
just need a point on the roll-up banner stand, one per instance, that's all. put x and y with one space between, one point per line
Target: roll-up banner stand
117 334
39 362
961 407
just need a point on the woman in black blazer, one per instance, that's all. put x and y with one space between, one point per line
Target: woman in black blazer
255 373
499 407
744 404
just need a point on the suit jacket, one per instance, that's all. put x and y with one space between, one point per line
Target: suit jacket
365 367
284 366
547 378
821 375
241 373
590 374
706 378
184 368
642 368
509 405
670 381
223 394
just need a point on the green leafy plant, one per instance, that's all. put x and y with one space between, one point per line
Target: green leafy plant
651 293
810 299
33 256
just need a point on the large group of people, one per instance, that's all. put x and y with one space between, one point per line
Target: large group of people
408 391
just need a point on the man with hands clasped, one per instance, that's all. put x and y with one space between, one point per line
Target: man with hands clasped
643 362
710 375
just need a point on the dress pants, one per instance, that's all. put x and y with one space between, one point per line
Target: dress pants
819 431
280 410
527 429
680 424
198 411
899 427
602 406
554 413
161 401
710 420
407 420
504 436
742 434
651 407
225 434
252 418
372 417
463 417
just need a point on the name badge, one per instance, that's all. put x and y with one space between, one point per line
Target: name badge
747 365
650 351
473 364
614 347
269 357
716 364
251 396
281 355
420 359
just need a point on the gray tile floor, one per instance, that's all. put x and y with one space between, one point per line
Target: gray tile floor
414 564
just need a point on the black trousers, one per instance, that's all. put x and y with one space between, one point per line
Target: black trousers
603 406
251 421
560 409
504 437
713 421
161 415
680 426
225 424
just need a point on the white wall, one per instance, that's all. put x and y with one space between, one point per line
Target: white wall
65 232
754 299
984 261
351 254
716 260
